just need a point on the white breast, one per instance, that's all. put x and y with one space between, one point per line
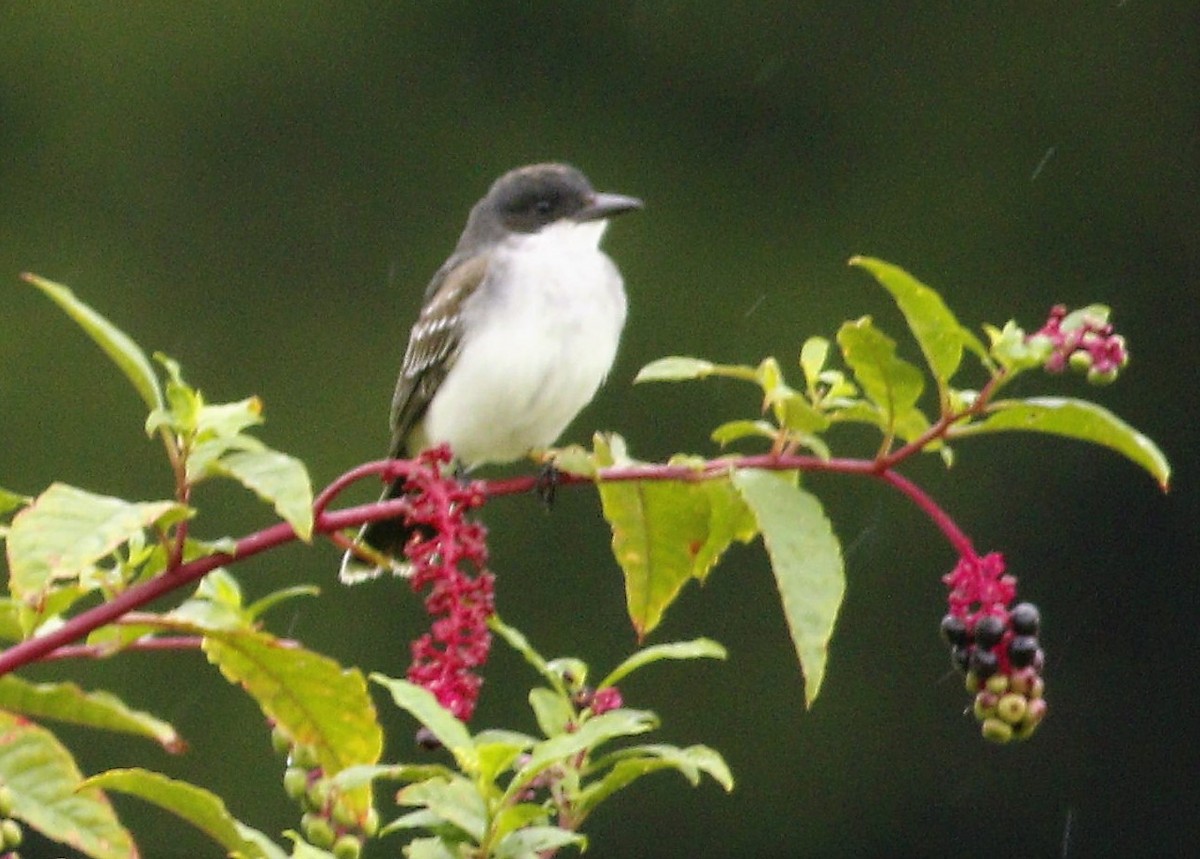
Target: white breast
539 337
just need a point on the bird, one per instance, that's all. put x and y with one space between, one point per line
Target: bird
519 328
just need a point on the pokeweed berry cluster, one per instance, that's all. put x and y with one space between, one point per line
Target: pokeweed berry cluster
1084 341
994 643
449 555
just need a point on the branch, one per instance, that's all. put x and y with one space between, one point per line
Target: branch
52 643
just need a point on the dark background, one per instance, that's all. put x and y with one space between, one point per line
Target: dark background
262 190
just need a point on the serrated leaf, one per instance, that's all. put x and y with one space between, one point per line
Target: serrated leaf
937 331
119 346
698 648
277 478
66 530
591 734
46 793
423 706
534 841
890 382
201 808
807 561
311 698
674 369
1077 419
66 702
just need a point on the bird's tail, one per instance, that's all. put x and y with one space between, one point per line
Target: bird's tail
386 537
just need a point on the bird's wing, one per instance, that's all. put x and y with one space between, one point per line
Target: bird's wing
433 344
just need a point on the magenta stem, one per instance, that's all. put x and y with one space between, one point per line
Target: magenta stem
326 522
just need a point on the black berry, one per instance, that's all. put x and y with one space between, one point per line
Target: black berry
983 663
988 630
954 630
1023 650
1025 619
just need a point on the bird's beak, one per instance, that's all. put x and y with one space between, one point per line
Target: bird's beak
603 205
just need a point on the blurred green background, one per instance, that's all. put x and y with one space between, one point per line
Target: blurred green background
262 190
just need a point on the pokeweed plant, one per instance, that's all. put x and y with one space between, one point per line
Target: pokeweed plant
82 568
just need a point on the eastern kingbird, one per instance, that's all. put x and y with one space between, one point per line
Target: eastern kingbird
520 326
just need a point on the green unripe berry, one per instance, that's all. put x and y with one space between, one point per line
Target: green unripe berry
1102 377
984 706
1080 361
1011 708
347 847
997 730
317 830
280 741
11 835
304 756
997 684
317 795
295 782
6 800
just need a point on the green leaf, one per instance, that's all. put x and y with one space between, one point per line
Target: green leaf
807 561
552 711
937 331
511 818
732 431
891 383
698 648
47 793
10 501
301 849
674 369
497 757
66 530
628 765
119 347
423 706
277 478
362 775
311 698
455 800
66 702
1078 419
202 809
429 848
659 529
534 841
591 734
813 355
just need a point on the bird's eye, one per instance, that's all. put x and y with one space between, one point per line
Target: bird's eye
543 206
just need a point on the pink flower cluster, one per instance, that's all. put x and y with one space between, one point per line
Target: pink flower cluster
449 555
1084 341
